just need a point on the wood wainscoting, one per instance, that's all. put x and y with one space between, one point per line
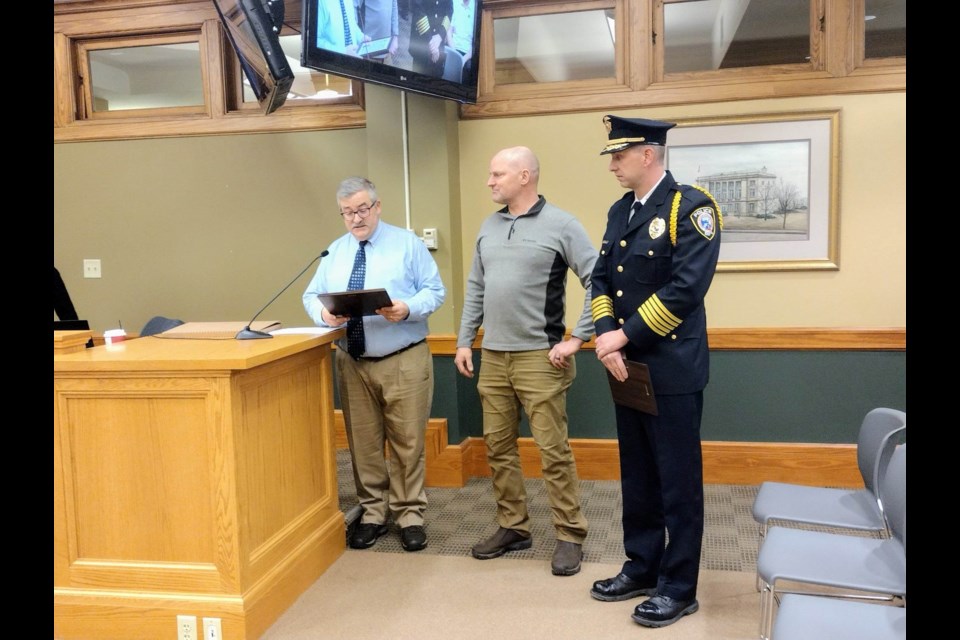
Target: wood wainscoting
833 465
815 464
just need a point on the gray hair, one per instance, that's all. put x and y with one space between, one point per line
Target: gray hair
356 184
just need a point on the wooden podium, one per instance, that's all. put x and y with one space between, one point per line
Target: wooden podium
191 478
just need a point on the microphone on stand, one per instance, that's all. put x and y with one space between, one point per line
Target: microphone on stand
250 334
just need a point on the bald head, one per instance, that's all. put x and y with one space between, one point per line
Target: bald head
520 158
514 175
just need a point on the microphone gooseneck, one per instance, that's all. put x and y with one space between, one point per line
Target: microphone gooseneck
251 334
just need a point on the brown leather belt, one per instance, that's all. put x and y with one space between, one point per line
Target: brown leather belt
390 355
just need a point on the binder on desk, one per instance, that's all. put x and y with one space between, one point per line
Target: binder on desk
362 302
73 325
636 391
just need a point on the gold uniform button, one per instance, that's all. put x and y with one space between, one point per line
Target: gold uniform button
620 268
623 243
619 294
673 336
650 253
620 320
602 252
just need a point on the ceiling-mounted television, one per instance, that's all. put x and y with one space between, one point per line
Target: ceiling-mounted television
429 47
253 27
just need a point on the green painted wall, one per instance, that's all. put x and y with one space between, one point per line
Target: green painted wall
753 396
800 396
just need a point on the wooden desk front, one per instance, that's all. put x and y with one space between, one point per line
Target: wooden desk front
191 477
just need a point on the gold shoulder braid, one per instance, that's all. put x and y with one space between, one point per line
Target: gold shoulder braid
673 217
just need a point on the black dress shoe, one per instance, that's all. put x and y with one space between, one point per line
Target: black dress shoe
366 534
659 611
413 538
620 587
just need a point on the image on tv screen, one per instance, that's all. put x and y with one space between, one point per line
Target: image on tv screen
428 46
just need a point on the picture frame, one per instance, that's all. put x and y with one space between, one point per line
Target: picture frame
774 177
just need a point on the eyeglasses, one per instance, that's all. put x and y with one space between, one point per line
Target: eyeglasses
362 212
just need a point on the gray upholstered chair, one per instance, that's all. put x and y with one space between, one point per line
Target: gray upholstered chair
159 324
838 565
802 617
453 65
858 510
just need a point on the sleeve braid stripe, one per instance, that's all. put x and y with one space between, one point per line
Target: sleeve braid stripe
601 307
657 317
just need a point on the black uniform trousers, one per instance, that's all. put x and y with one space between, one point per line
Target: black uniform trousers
661 478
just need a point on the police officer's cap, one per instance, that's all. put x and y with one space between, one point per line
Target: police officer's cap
626 132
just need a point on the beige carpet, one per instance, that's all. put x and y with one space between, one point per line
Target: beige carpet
367 595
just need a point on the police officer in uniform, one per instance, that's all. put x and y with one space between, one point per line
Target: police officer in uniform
429 22
657 259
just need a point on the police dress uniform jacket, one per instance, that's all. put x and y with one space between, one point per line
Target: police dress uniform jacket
651 278
429 18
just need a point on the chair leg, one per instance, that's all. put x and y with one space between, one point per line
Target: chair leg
763 533
763 613
767 604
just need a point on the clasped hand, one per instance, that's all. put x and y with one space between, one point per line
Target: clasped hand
608 348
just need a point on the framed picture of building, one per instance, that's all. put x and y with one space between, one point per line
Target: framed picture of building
774 177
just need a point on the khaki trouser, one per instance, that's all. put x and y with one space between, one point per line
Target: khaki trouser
509 380
387 403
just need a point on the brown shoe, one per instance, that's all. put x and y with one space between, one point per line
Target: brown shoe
500 542
566 558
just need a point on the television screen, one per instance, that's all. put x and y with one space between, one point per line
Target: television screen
253 27
426 46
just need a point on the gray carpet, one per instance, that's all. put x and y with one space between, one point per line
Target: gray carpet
456 519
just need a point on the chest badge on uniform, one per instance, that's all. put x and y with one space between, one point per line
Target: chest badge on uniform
704 222
657 227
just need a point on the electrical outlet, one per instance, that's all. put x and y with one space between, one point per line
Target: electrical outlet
212 629
91 268
187 628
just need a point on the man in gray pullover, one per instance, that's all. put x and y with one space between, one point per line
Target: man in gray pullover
516 290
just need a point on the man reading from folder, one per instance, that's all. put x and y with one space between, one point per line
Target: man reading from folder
384 367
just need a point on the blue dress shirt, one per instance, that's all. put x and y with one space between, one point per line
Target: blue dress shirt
398 261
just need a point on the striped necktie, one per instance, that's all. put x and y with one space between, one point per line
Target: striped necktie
356 344
347 38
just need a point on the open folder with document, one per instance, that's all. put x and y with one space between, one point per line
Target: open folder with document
361 302
636 391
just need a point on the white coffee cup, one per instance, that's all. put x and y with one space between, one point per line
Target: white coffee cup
114 336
